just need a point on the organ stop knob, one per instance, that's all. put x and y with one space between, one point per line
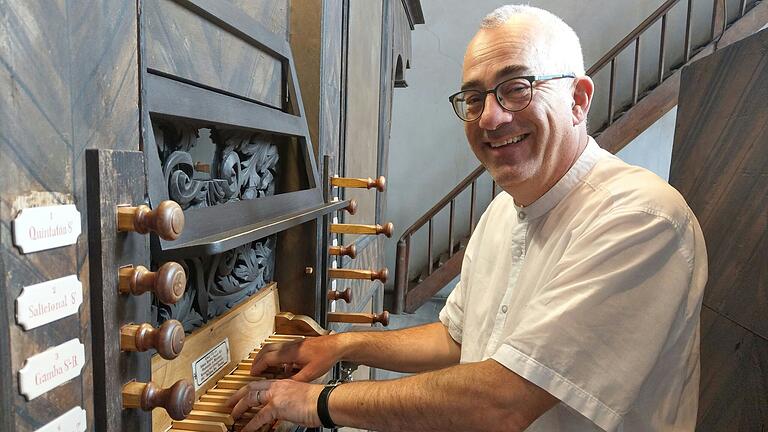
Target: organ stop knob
167 283
381 275
380 183
167 220
168 339
177 400
385 229
345 295
351 208
350 251
360 318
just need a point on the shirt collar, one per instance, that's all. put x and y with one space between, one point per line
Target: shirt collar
589 157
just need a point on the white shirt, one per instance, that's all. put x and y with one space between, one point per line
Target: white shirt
593 293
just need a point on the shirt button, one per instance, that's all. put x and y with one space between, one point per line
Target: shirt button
521 215
504 309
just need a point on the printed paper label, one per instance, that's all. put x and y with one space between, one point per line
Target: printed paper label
41 228
51 368
210 363
48 301
73 420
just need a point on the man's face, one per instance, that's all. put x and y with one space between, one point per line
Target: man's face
528 146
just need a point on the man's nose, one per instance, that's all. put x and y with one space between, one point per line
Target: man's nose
493 114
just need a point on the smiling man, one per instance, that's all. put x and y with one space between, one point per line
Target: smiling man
580 292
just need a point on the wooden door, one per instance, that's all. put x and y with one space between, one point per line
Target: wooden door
720 165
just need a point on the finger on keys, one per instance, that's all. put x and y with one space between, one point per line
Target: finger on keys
270 355
265 416
247 397
235 398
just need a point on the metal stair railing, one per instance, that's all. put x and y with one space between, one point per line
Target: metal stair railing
404 243
719 21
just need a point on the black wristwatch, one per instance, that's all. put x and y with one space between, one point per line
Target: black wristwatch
322 406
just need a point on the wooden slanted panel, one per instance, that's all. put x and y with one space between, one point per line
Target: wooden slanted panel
720 165
183 44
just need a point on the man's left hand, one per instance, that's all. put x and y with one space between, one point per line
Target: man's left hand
288 400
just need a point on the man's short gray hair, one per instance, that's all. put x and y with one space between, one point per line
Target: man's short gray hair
568 55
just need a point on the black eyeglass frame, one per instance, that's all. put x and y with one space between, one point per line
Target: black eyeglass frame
530 78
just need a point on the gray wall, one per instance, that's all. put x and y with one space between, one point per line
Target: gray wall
428 150
652 149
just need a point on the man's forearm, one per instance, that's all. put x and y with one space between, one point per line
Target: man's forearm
415 349
479 396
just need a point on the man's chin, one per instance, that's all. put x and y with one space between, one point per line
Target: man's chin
509 180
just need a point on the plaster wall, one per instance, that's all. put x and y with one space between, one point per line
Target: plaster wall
428 151
652 149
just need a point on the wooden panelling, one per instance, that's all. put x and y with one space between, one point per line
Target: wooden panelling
109 250
720 165
63 88
362 110
272 14
306 44
734 377
330 115
183 44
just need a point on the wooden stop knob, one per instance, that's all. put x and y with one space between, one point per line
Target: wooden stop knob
381 275
345 295
177 400
387 229
351 208
380 183
350 251
167 220
167 283
168 339
359 318
381 318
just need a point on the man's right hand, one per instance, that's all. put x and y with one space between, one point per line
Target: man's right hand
313 357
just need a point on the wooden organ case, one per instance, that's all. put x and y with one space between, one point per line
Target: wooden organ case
204 193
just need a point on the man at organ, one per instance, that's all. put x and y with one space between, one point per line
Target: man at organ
580 292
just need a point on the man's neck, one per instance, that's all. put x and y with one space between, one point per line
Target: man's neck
534 188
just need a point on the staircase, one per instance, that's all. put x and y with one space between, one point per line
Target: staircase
641 75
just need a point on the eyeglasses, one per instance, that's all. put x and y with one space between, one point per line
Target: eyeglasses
514 94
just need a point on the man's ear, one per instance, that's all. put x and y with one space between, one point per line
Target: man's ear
582 99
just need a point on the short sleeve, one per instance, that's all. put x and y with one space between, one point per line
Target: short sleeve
452 314
597 325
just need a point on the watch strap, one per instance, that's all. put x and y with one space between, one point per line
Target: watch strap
322 406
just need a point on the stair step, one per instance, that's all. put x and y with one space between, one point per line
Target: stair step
441 260
463 243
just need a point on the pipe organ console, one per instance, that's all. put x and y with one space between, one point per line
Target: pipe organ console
159 223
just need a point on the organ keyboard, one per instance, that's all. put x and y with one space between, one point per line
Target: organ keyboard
210 412
246 329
